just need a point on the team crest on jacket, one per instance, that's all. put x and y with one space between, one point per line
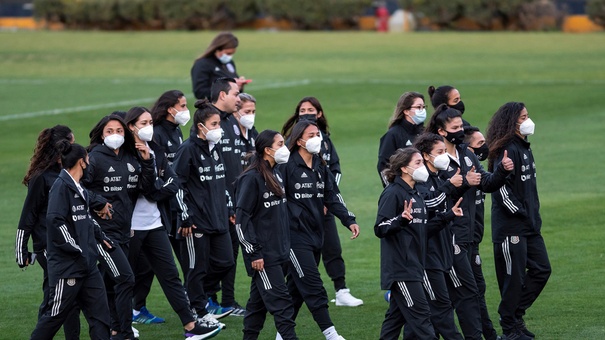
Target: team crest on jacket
478 260
468 161
215 155
71 282
236 130
514 239
456 249
130 167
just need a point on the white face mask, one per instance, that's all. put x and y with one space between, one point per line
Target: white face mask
420 174
313 145
182 117
114 141
281 155
527 127
441 162
247 121
225 58
419 116
146 133
213 136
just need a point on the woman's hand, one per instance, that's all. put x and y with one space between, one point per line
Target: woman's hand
407 211
355 230
456 208
456 180
473 178
258 265
507 163
105 213
143 150
186 231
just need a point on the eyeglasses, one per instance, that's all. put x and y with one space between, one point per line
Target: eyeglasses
418 107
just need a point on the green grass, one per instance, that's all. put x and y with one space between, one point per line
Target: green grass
358 78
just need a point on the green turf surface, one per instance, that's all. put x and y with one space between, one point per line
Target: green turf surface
74 78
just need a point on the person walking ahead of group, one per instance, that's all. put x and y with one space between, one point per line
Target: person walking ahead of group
310 109
261 218
119 170
43 170
74 243
522 264
216 62
310 187
403 228
447 122
405 125
203 199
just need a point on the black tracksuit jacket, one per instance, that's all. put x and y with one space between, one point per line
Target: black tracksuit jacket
438 197
403 243
169 137
205 71
119 179
463 227
72 233
399 136
515 206
261 221
308 190
329 154
202 195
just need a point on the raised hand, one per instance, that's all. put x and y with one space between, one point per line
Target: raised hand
407 211
456 180
507 163
143 150
456 208
472 177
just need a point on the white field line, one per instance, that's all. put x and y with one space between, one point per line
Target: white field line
271 85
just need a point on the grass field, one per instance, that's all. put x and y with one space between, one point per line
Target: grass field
74 78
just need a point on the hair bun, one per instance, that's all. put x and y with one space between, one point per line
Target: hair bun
64 146
431 90
202 103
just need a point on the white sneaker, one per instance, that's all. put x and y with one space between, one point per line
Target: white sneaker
340 336
208 320
135 332
344 298
278 337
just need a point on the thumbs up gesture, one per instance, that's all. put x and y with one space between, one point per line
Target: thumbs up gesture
507 163
472 177
456 180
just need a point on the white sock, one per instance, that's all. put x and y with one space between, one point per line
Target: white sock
331 333
135 312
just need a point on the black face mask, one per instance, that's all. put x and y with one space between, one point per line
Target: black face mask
459 106
481 152
309 118
455 138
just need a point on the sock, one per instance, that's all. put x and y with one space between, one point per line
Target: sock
330 333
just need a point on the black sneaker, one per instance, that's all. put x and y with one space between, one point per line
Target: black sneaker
238 310
521 327
515 334
200 332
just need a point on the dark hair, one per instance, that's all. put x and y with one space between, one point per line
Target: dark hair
439 95
405 102
167 100
204 111
442 115
223 41
122 114
502 129
70 153
264 140
468 133
426 141
96 135
132 116
220 85
46 154
400 159
322 122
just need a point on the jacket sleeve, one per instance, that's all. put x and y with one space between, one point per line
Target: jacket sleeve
247 193
59 232
200 78
387 148
97 202
440 221
334 163
166 185
334 201
491 182
504 196
147 179
181 165
34 202
432 199
389 220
